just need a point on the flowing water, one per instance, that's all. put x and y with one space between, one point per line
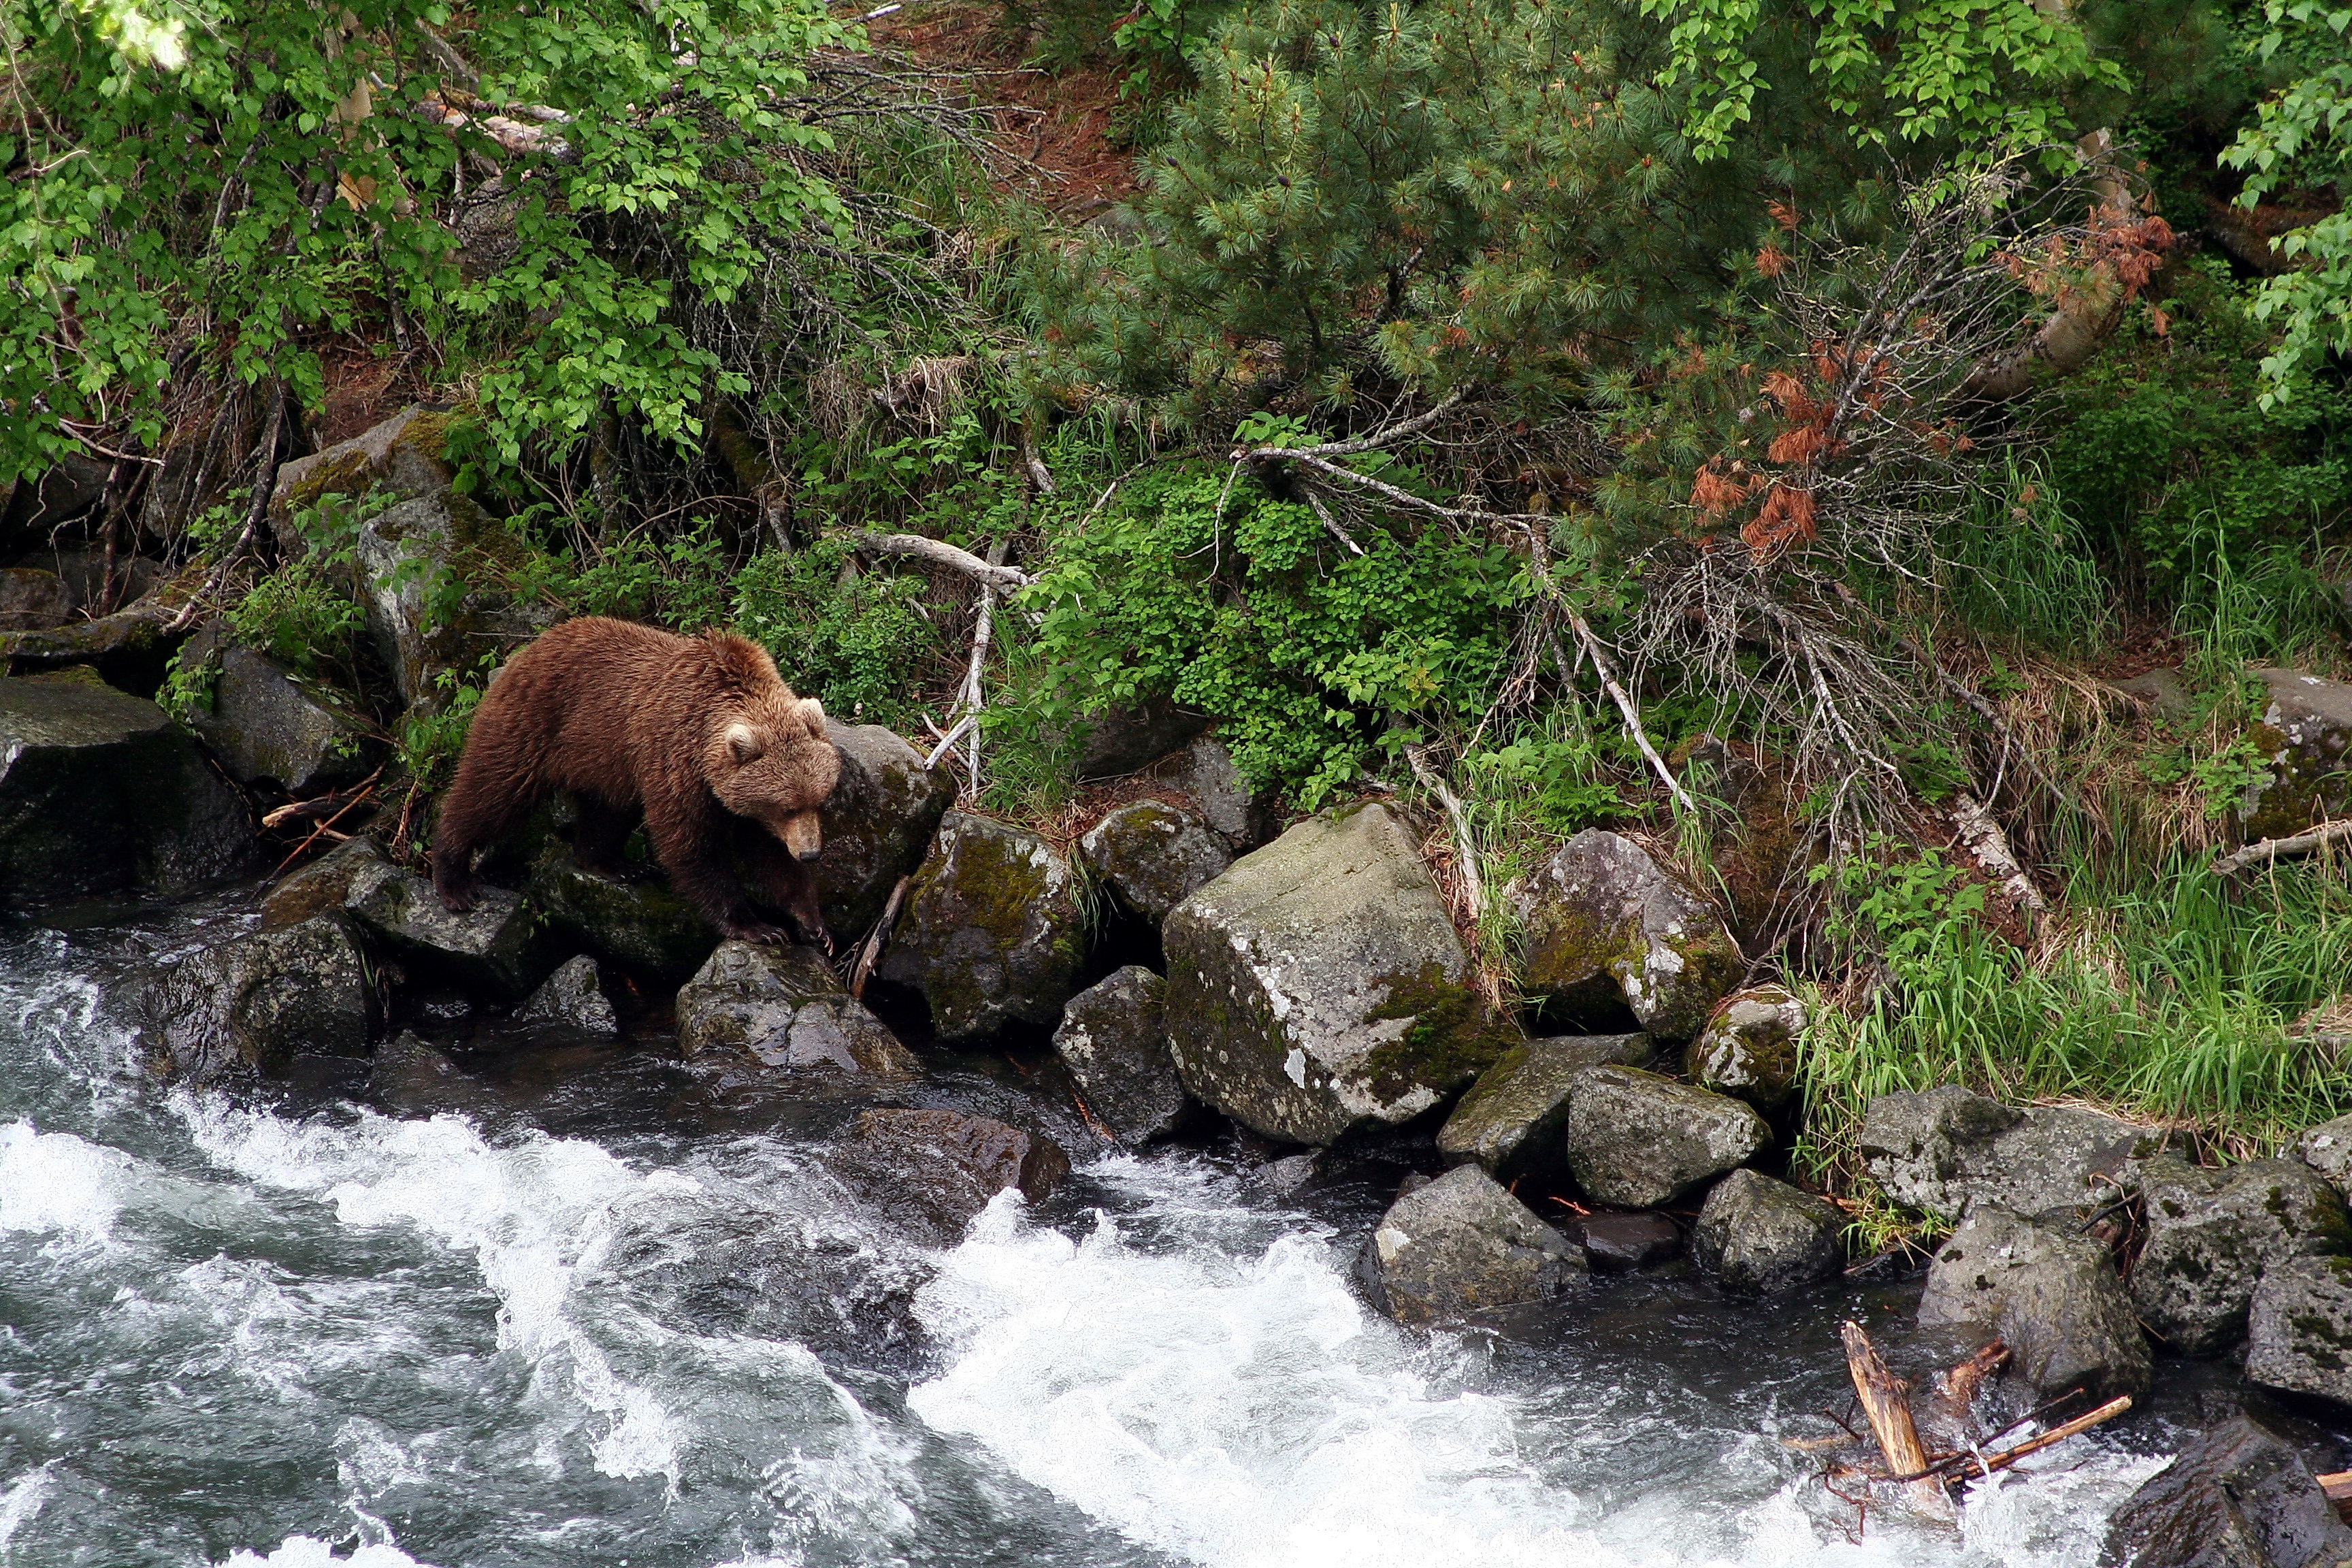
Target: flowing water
569 1315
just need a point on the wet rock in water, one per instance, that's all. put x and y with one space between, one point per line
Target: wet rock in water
935 1170
637 922
1117 741
1749 1049
2299 1331
1763 1237
2049 1292
415 1077
1204 770
325 884
1152 856
101 793
1113 1039
1604 922
1621 1242
2327 1149
877 824
32 600
1319 987
1513 1122
1638 1140
2304 737
991 933
268 726
2210 1234
1946 1149
253 1002
1460 1246
2240 1496
785 1009
498 947
571 998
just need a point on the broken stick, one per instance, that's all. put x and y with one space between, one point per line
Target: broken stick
1885 1400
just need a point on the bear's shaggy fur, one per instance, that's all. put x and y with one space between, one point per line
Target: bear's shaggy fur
698 733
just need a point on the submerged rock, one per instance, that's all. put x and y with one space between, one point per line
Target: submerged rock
785 1009
2210 1234
2239 1496
2299 1330
268 726
1749 1049
1947 1149
1318 987
325 884
1460 1246
1113 1039
2049 1292
1151 856
571 998
635 922
1621 1242
1763 1237
101 793
877 824
253 1002
991 933
498 947
1514 1121
934 1171
1638 1140
1605 921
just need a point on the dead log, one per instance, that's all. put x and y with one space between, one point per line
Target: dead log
1886 1401
1970 1466
1004 579
2271 849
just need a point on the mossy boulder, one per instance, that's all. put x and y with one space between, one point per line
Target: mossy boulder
101 793
1318 987
272 728
1749 1049
2210 1234
1945 1150
878 823
1760 1236
2299 1331
1637 1140
637 922
1114 1040
406 455
1514 1121
992 933
1150 855
783 1013
2303 738
1462 1245
252 1004
2049 1292
1603 922
500 948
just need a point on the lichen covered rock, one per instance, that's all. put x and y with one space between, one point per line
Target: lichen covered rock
1151 856
251 1003
2210 1234
1749 1049
571 998
2299 1330
2049 1292
637 922
1204 770
992 933
499 947
1318 987
1638 1140
785 1011
1114 1040
1945 1150
1512 1123
1461 1245
2327 1149
1763 1237
1604 921
269 727
2304 737
878 823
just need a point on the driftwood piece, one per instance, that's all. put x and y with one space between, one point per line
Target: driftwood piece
876 940
1004 579
1973 820
1970 1465
1625 706
2267 850
1886 1401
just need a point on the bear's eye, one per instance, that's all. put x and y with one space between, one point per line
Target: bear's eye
743 742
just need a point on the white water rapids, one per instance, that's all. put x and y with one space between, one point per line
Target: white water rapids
245 1330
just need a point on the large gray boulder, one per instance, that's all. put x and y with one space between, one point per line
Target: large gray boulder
1460 1246
784 1011
1763 1237
992 933
2210 1234
1749 1049
499 947
1946 1149
1603 922
2327 1149
1319 987
2299 1331
571 999
252 1004
101 793
2305 731
2050 1293
877 824
1114 1040
1117 741
635 922
2240 1496
1513 1122
934 1171
1151 856
269 726
1204 770
1638 1140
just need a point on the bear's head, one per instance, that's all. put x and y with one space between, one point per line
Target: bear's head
768 758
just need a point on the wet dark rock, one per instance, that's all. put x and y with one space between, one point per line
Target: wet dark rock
83 572
1604 922
39 504
934 1171
251 1003
992 933
2210 1234
1205 771
1513 1122
2050 1293
1318 987
2240 1496
1288 1174
33 600
1621 1242
1151 856
1638 1140
498 947
101 793
2299 1331
637 922
1118 741
1460 1246
1946 1149
1749 1049
1114 1040
418 1078
1763 1237
2327 1149
268 726
785 1011
325 884
878 826
2303 738
573 999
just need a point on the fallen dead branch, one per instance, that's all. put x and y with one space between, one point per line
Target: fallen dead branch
1885 1401
2268 850
876 940
1004 579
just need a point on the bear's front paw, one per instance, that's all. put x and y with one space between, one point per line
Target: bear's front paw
758 931
458 899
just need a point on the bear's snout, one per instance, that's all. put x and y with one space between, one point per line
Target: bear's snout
802 836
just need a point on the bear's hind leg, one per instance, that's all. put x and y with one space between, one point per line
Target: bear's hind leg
486 803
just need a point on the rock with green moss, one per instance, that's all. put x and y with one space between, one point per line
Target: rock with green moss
2304 739
571 998
1749 1049
1514 1121
2210 1234
783 1013
878 823
1762 1236
405 456
101 793
2049 1292
1462 1245
501 947
252 1004
1151 856
1637 1140
1604 922
1318 987
992 933
1946 1149
1114 1040
271 727
2299 1331
635 921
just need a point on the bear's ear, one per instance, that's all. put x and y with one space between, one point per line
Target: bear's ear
741 663
812 713
743 743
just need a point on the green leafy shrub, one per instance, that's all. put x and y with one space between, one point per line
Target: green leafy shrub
859 644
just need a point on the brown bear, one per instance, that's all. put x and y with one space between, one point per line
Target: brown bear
699 733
